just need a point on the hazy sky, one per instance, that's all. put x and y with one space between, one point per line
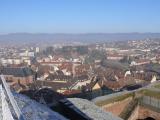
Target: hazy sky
79 16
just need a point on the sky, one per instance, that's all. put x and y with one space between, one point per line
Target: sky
79 16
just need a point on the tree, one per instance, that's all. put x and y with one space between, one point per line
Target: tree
95 55
49 50
126 59
82 50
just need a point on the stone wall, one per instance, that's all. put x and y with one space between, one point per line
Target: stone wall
117 107
134 114
144 112
141 112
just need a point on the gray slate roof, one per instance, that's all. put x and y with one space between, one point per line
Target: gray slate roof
17 72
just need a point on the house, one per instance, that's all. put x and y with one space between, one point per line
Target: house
115 57
11 61
21 75
154 79
100 83
145 76
71 92
139 62
58 86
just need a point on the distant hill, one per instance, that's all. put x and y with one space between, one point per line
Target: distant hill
62 38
